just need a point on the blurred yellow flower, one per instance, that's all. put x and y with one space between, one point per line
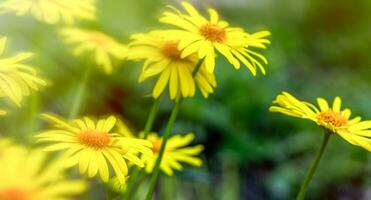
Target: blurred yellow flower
176 151
2 112
51 11
203 36
17 80
338 121
162 57
29 175
104 47
91 145
7 146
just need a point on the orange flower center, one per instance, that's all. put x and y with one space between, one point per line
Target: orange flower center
156 146
14 194
213 33
170 50
99 38
333 118
94 139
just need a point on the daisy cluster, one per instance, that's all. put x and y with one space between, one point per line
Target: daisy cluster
181 57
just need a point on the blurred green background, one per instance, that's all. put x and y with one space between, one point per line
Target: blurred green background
319 48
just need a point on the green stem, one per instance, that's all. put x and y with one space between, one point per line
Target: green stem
34 110
80 92
135 185
132 181
313 167
147 129
167 133
169 127
109 195
151 117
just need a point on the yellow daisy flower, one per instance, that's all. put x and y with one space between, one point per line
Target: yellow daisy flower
175 153
162 57
205 36
29 175
51 11
90 145
16 79
104 47
338 121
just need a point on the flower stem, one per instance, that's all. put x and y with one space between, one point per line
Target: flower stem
109 194
34 110
80 92
156 170
140 177
313 167
151 117
169 127
147 128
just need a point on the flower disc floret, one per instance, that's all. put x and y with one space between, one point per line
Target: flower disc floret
336 119
94 139
213 33
170 49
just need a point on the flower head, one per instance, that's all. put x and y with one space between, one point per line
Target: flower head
51 11
176 152
104 48
93 146
29 175
205 36
333 118
17 79
163 57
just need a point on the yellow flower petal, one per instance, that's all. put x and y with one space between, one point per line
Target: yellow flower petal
337 104
323 105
